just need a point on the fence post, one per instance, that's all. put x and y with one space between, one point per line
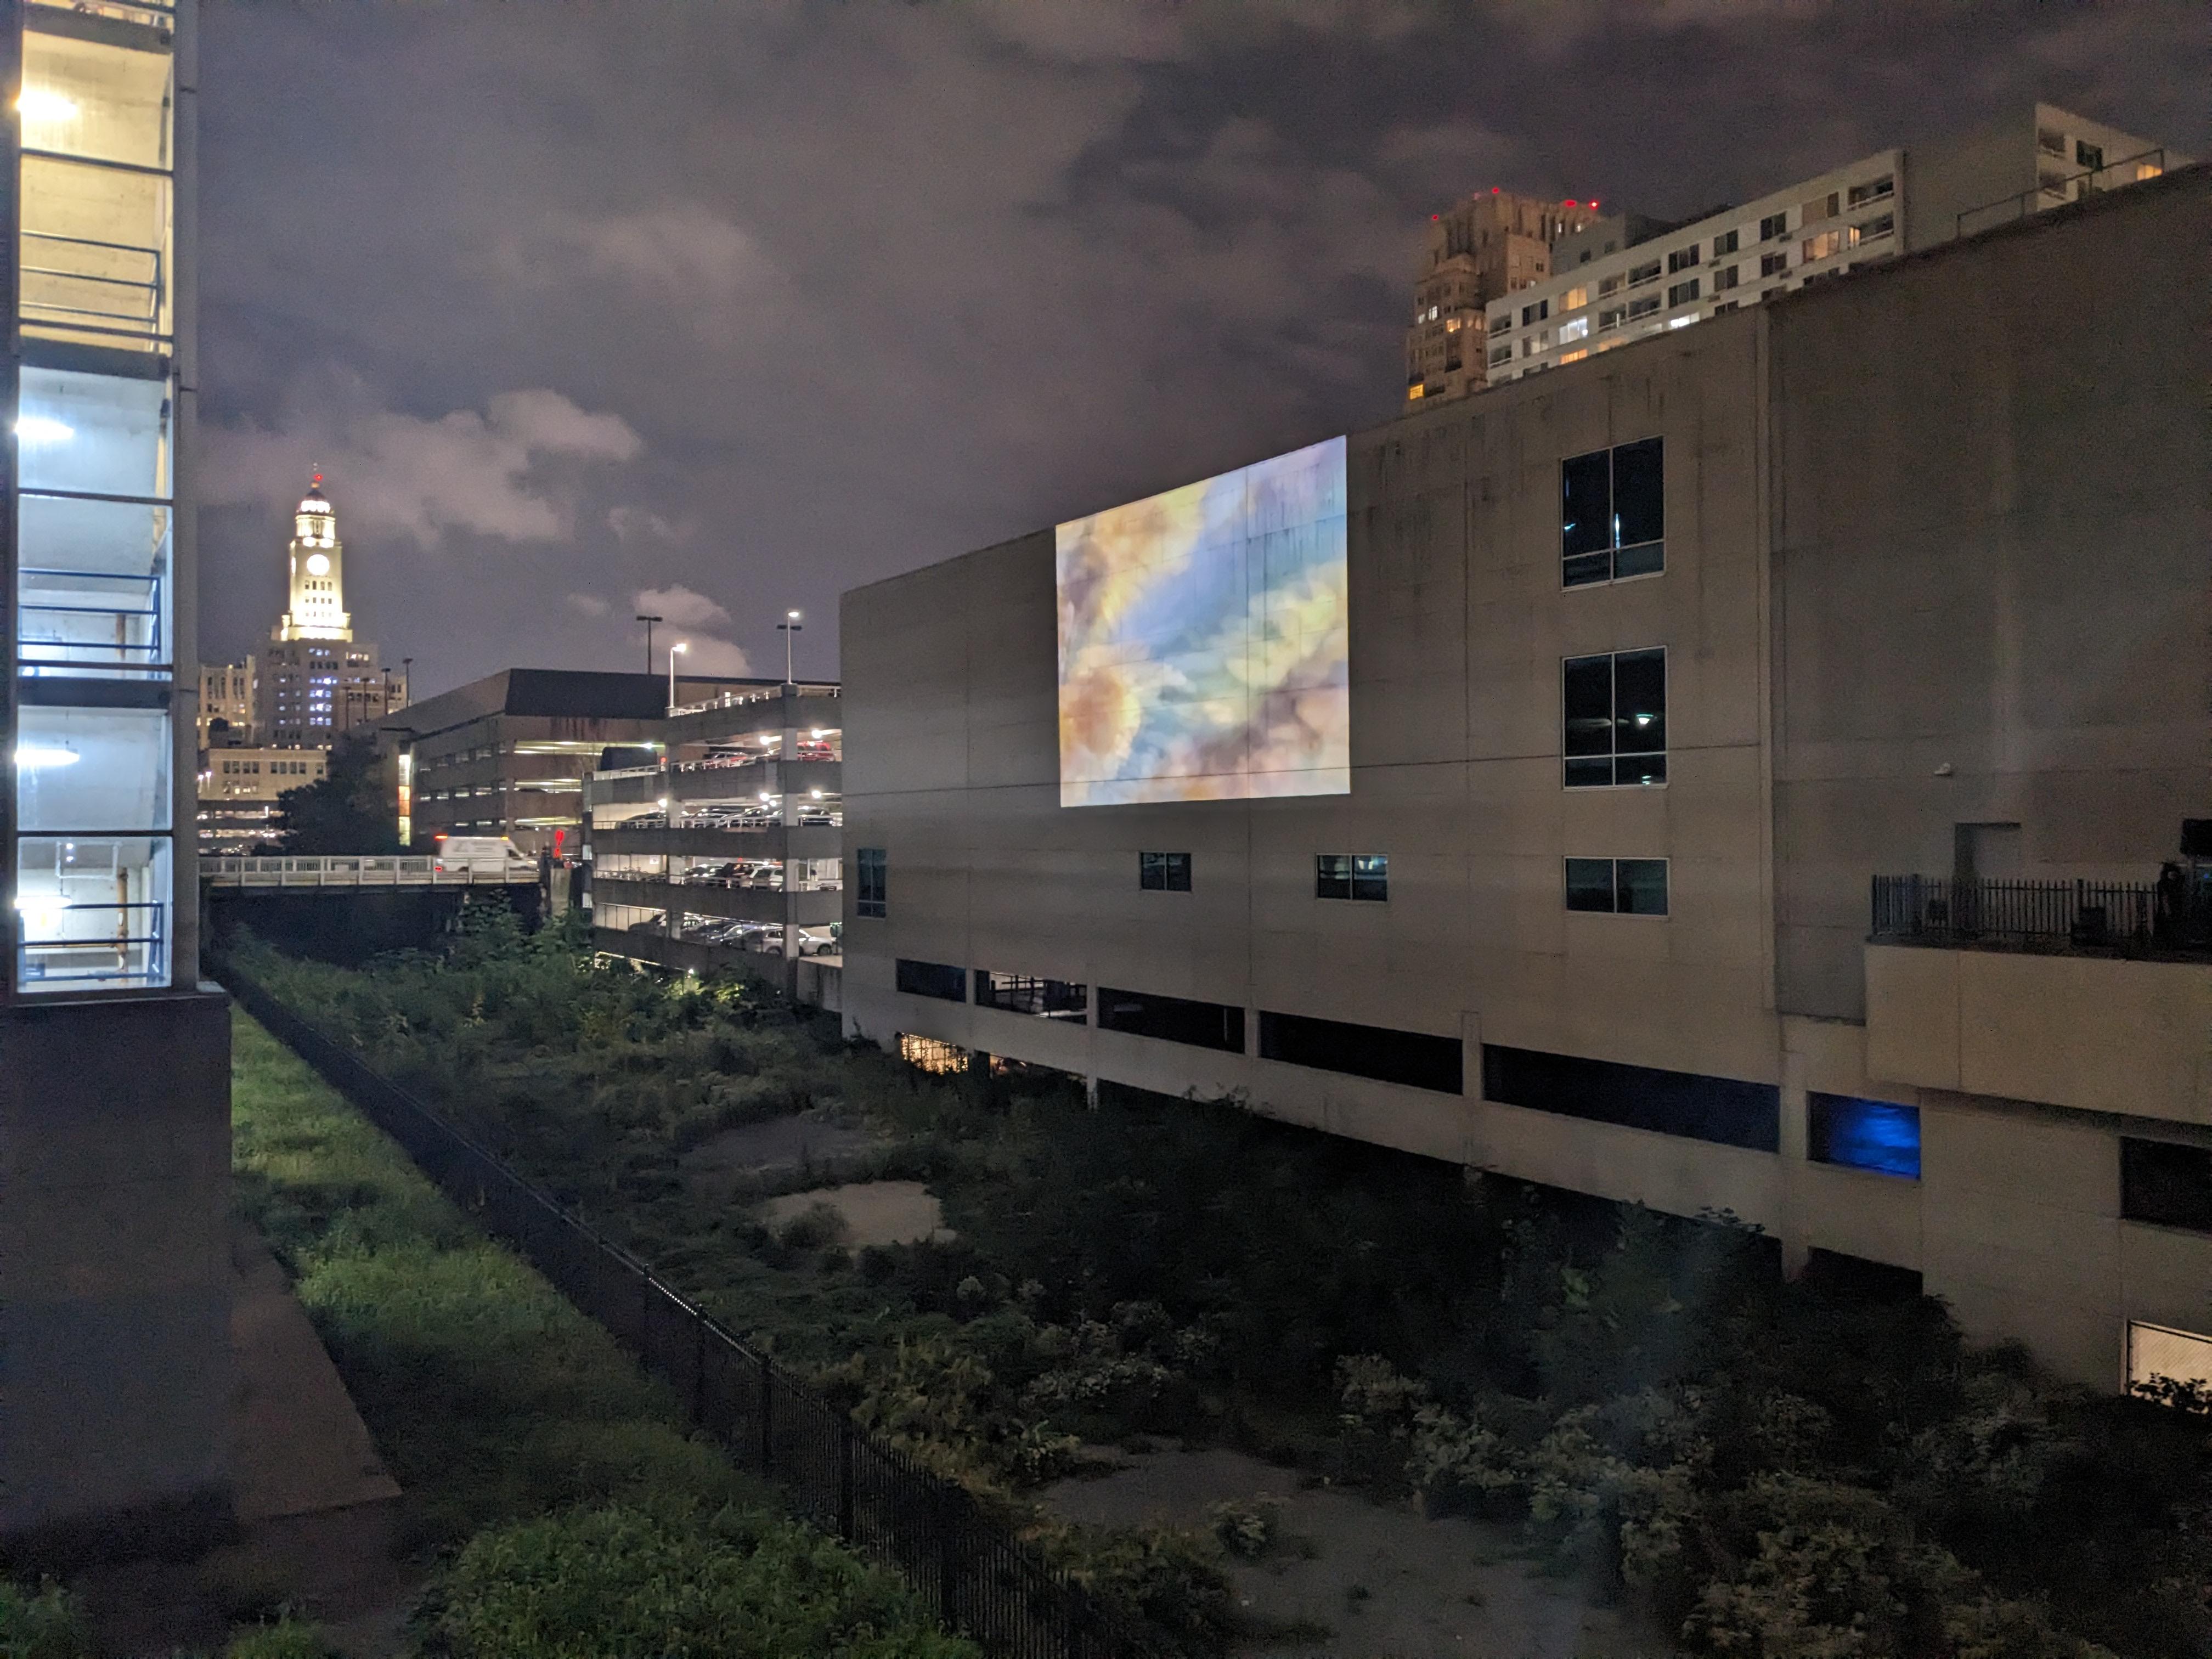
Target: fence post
846 1528
767 1444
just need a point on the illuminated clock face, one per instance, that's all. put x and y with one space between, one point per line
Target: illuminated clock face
319 564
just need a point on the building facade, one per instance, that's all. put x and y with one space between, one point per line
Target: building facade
314 681
114 1100
1485 246
1628 278
226 695
1765 792
238 791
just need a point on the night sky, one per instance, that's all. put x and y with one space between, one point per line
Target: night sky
746 303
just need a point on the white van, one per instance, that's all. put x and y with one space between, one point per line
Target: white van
483 855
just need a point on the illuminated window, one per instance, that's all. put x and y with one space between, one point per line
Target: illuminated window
1575 330
930 1055
1822 247
1625 887
1612 720
1352 876
1574 356
1613 517
1164 872
2148 170
1875 1135
1575 300
2159 1353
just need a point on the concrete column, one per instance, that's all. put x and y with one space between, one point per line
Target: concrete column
1795 1147
788 815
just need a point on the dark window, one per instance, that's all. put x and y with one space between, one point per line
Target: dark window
932 979
1172 1019
1727 278
1773 264
1164 872
869 882
1613 719
1715 1108
2166 1183
1864 1134
1023 994
1627 887
1411 1058
1610 316
1873 191
1774 225
1725 243
1645 306
1644 273
1856 1277
1351 875
1535 314
1613 513
1682 293
1682 259
2088 155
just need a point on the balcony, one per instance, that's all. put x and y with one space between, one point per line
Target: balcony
814 907
2095 996
765 840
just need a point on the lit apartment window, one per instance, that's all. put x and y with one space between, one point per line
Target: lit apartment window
1682 259
1624 887
1352 876
2166 1183
1613 517
1772 265
1681 293
1826 244
1164 872
1575 330
1873 191
2159 1353
1874 229
1613 719
1725 243
1726 278
1574 356
1774 225
1875 1135
869 882
1647 272
1575 300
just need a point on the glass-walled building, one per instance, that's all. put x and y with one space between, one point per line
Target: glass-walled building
114 1063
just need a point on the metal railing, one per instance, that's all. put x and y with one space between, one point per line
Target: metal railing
2110 175
104 302
2128 918
972 1572
746 699
336 870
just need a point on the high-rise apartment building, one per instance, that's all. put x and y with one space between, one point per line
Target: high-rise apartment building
1485 246
1626 278
114 1095
315 680
1761 769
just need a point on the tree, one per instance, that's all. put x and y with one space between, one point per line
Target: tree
344 811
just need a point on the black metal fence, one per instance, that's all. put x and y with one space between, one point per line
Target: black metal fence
978 1577
2035 915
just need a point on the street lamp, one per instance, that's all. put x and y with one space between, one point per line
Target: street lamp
674 652
788 628
648 622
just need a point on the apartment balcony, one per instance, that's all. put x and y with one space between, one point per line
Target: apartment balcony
2096 996
817 908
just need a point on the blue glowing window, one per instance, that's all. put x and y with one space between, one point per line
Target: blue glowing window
1865 1134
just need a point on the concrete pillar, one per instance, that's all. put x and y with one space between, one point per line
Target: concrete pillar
788 815
1795 1147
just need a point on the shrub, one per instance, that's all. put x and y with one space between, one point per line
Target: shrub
41 1624
819 1223
1247 1527
288 1639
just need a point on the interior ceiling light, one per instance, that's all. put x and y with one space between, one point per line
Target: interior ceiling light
41 904
38 429
31 755
44 104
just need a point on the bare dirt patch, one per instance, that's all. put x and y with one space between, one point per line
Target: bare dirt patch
1388 1582
875 1212
801 1140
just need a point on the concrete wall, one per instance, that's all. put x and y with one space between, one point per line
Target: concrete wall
114 1273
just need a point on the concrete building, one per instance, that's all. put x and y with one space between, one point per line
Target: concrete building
718 843
314 680
1485 246
1627 277
226 694
115 1358
238 789
1807 865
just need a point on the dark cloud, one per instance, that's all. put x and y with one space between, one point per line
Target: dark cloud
754 302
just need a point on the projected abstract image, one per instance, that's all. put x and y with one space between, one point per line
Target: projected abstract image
1202 640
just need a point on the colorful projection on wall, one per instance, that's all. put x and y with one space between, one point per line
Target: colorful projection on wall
1203 642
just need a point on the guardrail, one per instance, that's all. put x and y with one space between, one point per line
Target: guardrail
975 1575
2107 175
338 870
2128 918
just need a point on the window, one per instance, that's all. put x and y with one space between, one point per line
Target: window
932 979
1828 242
2166 1182
1774 225
2051 143
1609 285
1164 872
1535 314
1418 1061
1863 1135
2157 1352
1352 876
1610 318
1681 293
1624 887
930 1055
1643 308
869 880
1023 994
1648 272
1613 719
1717 1108
2054 184
1773 264
1820 208
1873 191
1574 356
1613 514
1726 278
1874 229
1575 300
1172 1019
1682 259
1500 354
2088 155
1726 243
1575 330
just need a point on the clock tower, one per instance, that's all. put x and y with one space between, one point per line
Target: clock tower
315 680
318 567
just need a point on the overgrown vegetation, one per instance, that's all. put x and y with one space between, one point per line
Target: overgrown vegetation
1768 1468
48 1624
581 1509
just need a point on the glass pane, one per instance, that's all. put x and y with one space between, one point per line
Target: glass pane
93 914
1642 886
92 768
1586 720
1639 503
1178 872
1865 1134
1585 505
1150 873
1640 768
1370 877
100 433
90 98
1590 883
1586 567
1588 774
97 253
1640 701
1332 876
1645 560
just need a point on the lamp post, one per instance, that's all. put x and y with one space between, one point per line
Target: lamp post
674 652
788 628
648 622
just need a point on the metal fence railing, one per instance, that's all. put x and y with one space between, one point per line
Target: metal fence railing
977 1576
2040 915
